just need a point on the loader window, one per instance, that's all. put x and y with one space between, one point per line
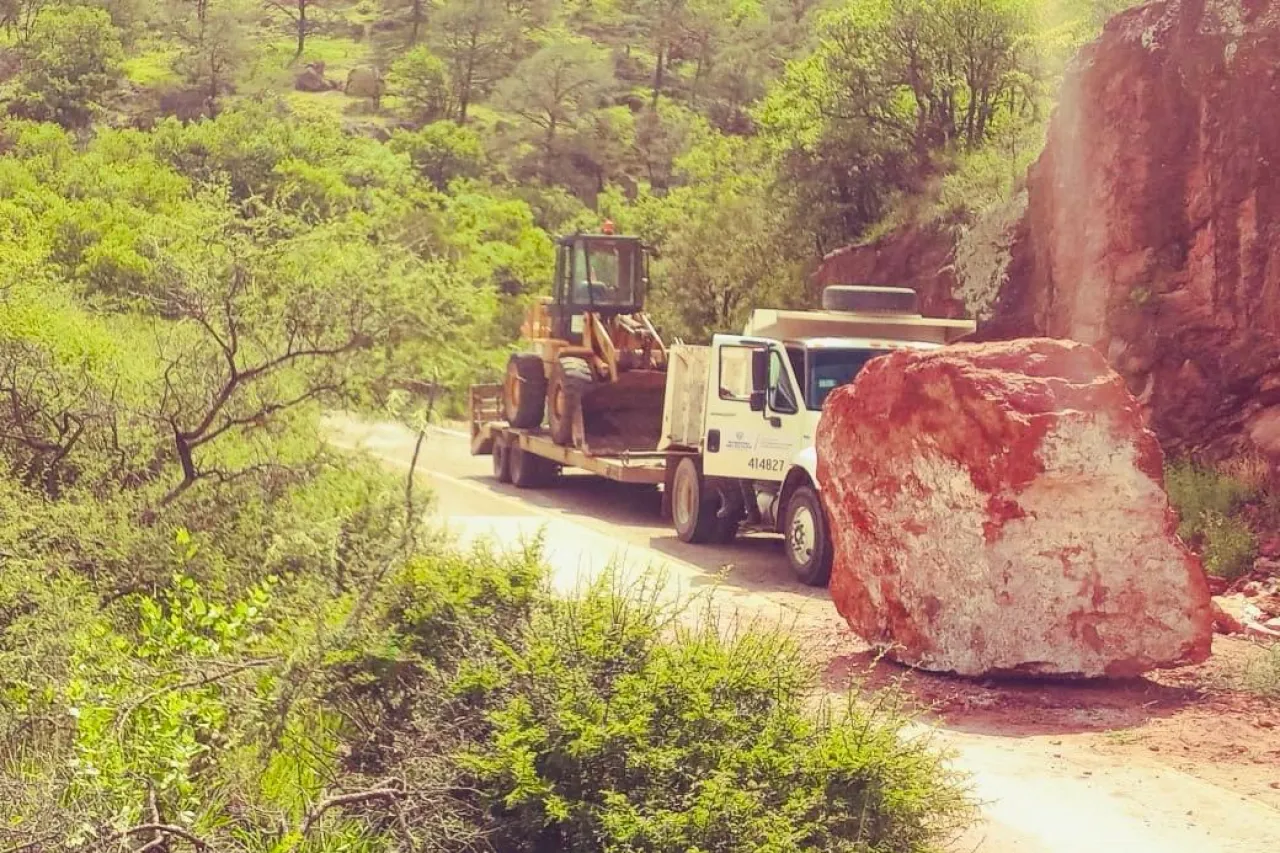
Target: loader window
604 273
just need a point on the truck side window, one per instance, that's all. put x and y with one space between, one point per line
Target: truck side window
735 373
782 397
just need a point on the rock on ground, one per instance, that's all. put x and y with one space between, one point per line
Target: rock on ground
312 79
364 82
999 508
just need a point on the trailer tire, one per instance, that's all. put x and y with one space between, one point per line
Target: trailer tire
529 471
524 390
807 537
693 505
571 378
501 459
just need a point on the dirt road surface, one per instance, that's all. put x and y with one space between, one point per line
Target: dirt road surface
1149 765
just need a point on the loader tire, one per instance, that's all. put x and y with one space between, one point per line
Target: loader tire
524 391
693 505
874 300
571 378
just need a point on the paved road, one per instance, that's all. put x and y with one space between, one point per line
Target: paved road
1040 795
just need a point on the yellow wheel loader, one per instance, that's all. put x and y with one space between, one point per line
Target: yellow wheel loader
597 368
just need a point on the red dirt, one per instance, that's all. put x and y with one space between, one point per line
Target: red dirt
1195 719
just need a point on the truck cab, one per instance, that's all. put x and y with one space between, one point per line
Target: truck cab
761 400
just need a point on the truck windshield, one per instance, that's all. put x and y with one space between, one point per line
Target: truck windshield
829 369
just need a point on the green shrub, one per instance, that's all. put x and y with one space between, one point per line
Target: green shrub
1263 676
1198 492
1228 544
611 726
1206 501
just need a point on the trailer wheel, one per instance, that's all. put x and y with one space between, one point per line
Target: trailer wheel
570 379
501 459
529 471
693 510
524 391
807 538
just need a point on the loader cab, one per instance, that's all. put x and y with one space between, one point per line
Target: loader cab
601 273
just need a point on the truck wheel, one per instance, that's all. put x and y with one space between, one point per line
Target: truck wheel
529 471
570 379
807 538
726 531
501 459
693 510
524 391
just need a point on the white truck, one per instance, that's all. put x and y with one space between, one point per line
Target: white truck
739 419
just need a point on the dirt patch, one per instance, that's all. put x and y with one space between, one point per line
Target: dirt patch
1196 720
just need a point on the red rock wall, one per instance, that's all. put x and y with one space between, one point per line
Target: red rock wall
1153 229
918 257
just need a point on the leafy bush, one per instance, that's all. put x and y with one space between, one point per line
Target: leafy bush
1263 676
1207 501
611 725
70 63
1229 545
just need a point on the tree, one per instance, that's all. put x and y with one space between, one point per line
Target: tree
421 81
554 87
893 89
214 45
442 152
70 63
299 18
474 37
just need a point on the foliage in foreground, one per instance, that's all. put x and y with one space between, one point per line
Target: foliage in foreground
615 725
288 700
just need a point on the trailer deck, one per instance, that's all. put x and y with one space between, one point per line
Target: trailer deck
622 466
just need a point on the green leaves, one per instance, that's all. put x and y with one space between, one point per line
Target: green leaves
70 63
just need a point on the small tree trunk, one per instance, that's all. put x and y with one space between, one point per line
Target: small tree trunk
416 22
302 30
659 73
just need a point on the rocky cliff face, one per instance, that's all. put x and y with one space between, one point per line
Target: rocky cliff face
1152 228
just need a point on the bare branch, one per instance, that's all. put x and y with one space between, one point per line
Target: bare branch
167 829
389 795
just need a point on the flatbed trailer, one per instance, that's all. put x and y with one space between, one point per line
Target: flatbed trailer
530 459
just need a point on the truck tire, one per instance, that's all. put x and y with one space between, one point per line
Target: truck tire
871 300
807 537
524 391
693 505
529 471
570 379
501 459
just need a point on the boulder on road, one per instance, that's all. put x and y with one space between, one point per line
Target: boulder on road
999 509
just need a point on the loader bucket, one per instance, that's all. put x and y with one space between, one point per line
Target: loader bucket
625 415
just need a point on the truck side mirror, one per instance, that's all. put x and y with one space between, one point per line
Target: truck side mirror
759 378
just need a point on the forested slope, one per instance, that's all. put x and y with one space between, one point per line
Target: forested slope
217 633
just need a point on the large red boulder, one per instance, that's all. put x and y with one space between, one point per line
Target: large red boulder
999 508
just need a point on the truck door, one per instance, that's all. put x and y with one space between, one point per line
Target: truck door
740 442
